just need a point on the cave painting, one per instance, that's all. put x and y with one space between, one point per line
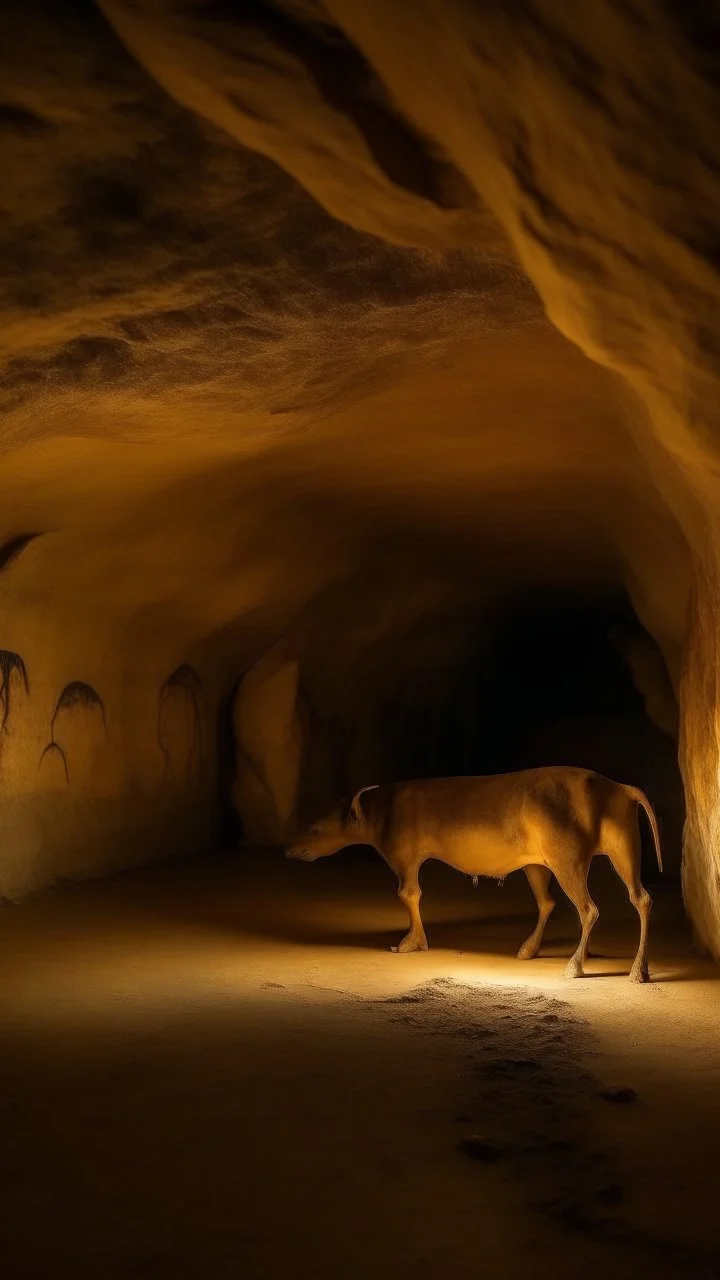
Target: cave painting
77 727
550 821
179 727
14 547
13 676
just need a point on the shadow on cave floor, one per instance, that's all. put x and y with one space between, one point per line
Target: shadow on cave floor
314 906
213 1070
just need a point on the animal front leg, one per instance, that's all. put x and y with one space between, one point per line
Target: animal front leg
539 880
409 894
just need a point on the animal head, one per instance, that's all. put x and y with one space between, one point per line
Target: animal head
342 826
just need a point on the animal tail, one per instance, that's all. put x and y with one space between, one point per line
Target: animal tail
645 804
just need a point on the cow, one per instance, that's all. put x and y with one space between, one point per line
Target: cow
549 822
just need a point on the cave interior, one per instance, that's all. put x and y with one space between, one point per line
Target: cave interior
358 393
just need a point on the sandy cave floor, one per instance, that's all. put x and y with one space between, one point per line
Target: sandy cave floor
218 1069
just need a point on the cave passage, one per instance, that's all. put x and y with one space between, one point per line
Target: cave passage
359 386
544 681
546 663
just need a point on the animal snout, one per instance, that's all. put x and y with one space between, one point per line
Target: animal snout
299 855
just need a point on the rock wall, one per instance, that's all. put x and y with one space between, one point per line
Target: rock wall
700 749
269 749
98 772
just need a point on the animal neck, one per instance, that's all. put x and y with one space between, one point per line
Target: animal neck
361 833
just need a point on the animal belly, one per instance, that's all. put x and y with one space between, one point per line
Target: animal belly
482 855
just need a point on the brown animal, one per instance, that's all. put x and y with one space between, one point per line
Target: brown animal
550 821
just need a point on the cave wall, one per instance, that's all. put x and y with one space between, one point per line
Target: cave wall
269 742
700 748
100 769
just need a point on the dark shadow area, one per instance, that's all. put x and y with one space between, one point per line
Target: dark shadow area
179 1143
561 693
285 902
541 681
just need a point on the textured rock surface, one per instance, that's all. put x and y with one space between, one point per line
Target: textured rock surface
228 418
269 737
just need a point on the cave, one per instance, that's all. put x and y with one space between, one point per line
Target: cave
358 382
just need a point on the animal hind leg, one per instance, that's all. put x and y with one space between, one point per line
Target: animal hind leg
409 893
573 882
626 862
539 880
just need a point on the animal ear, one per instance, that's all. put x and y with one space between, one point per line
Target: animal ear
355 813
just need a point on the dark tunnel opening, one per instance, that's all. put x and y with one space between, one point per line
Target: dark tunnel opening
545 684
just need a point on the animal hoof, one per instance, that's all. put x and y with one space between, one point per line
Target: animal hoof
527 953
407 945
574 971
639 975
